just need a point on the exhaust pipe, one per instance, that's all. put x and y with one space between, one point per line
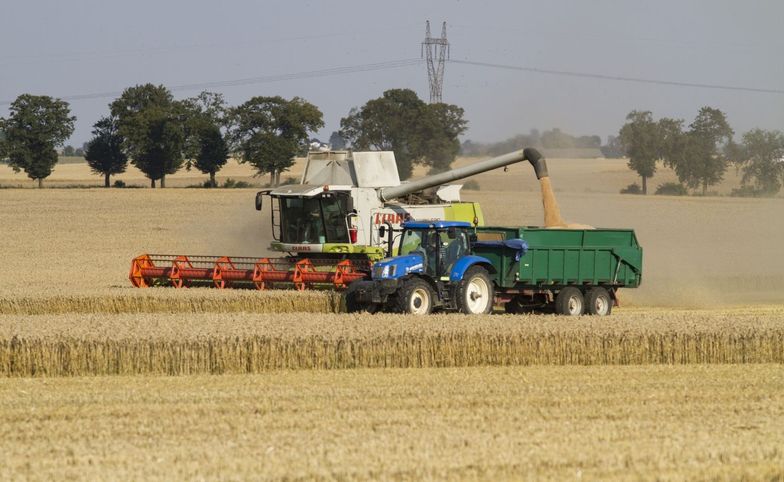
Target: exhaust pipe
537 160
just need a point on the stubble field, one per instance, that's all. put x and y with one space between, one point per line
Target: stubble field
712 303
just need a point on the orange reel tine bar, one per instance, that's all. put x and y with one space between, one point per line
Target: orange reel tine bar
222 272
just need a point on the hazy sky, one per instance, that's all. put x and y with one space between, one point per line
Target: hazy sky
66 48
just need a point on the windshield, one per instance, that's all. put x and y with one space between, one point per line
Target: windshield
445 246
422 242
314 220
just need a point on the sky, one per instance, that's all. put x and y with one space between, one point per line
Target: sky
94 47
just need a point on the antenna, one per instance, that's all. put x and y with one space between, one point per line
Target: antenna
435 51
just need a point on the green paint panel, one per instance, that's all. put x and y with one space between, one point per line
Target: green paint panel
464 211
559 257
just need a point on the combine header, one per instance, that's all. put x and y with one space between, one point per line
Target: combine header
239 272
328 225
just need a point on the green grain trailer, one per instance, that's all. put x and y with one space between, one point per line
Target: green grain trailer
587 260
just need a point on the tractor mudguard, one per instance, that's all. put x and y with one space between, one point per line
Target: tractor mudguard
462 265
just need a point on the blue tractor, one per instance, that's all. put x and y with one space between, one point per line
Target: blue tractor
434 270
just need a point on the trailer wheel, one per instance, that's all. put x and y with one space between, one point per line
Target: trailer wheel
353 305
570 301
598 302
415 297
474 294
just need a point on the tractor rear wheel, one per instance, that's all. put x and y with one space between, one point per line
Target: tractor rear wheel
415 297
570 301
474 295
598 302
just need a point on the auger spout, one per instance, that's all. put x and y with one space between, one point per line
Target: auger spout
529 154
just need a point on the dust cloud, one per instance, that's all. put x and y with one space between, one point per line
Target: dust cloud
231 228
698 252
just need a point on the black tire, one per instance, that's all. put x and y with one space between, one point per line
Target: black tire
474 294
353 305
570 301
415 297
598 302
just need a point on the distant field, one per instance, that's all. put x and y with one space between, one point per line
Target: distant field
569 175
74 171
693 422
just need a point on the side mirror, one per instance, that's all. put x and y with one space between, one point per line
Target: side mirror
382 231
259 195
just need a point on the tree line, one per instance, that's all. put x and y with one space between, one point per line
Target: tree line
701 152
160 135
548 139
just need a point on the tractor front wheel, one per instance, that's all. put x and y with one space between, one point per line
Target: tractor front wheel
415 297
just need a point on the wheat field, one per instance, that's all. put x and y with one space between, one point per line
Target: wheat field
99 380
213 343
690 422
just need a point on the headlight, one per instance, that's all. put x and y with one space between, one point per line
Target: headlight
385 271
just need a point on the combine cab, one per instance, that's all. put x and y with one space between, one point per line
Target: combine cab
326 227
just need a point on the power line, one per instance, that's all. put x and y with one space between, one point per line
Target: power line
395 64
567 73
392 64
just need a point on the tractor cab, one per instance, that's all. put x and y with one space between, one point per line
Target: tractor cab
430 248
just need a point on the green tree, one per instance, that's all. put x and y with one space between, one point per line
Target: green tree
206 145
206 110
270 131
2 141
556 139
213 152
442 125
69 151
761 158
36 126
641 142
152 126
400 121
701 159
613 149
104 153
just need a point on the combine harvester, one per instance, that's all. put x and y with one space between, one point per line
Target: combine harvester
328 225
